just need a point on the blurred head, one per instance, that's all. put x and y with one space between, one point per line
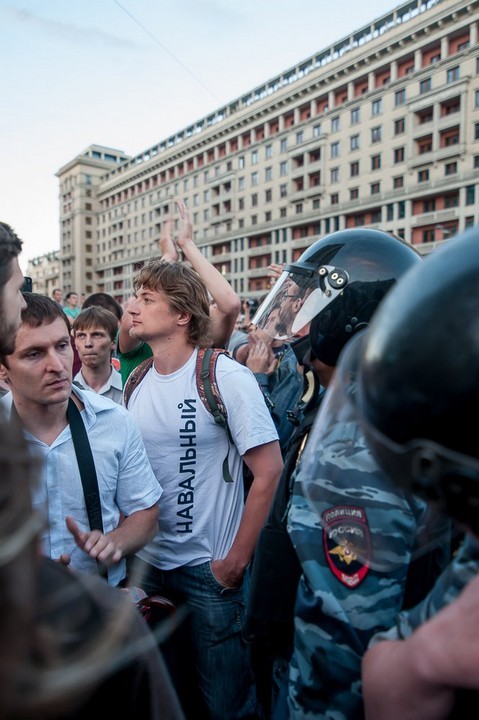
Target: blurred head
334 288
183 291
11 281
57 295
72 299
417 381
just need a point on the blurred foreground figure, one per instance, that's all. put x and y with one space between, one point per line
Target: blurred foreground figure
417 390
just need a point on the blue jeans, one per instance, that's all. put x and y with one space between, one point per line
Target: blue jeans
213 636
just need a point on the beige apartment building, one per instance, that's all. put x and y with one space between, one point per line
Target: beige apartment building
381 129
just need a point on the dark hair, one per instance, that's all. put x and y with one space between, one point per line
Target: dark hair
96 316
104 300
40 310
10 247
184 291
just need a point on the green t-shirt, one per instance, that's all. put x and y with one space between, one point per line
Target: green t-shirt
130 360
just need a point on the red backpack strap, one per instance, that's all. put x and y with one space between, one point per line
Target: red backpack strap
135 378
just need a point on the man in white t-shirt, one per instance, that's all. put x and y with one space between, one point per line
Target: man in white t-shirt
207 531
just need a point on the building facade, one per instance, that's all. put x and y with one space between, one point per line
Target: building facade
45 272
381 129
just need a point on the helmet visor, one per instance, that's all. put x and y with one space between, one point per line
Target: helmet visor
349 493
300 293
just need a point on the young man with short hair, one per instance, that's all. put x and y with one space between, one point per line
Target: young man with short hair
39 374
94 333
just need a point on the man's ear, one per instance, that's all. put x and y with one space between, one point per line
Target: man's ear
3 373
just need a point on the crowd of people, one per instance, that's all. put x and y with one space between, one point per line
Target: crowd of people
329 573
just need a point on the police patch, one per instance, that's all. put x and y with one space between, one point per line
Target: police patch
347 543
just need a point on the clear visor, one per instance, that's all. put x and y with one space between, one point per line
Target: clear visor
364 516
297 297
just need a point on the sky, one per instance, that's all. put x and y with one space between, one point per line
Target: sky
129 73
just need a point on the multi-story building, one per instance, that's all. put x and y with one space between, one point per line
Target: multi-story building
45 272
380 129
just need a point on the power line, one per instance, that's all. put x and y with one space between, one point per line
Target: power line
177 60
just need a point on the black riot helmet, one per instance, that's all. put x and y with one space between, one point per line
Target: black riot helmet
417 376
334 288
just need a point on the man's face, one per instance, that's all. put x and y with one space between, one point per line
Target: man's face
94 346
39 371
73 300
151 316
12 303
57 295
291 302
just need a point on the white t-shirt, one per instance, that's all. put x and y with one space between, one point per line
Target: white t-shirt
199 511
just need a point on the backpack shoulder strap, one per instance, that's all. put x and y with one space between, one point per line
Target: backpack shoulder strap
135 378
207 386
210 395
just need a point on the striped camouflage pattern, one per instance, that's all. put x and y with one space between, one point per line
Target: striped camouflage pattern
367 550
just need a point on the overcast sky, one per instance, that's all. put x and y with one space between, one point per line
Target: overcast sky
128 73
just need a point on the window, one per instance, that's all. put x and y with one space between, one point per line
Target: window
334 175
355 116
399 126
241 183
268 196
299 137
283 168
284 145
254 199
268 174
334 199
425 85
317 130
354 169
283 191
428 235
398 182
241 204
476 131
375 162
401 210
375 188
429 205
423 176
267 216
389 212
240 163
476 99
298 208
335 149
377 106
452 74
476 161
254 157
354 142
400 97
335 124
470 195
254 178
283 212
399 155
316 203
376 134
268 151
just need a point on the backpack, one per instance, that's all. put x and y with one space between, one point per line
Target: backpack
207 390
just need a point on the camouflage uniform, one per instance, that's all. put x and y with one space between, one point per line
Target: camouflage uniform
367 551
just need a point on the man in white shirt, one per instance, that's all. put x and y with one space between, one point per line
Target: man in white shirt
94 332
39 374
207 532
